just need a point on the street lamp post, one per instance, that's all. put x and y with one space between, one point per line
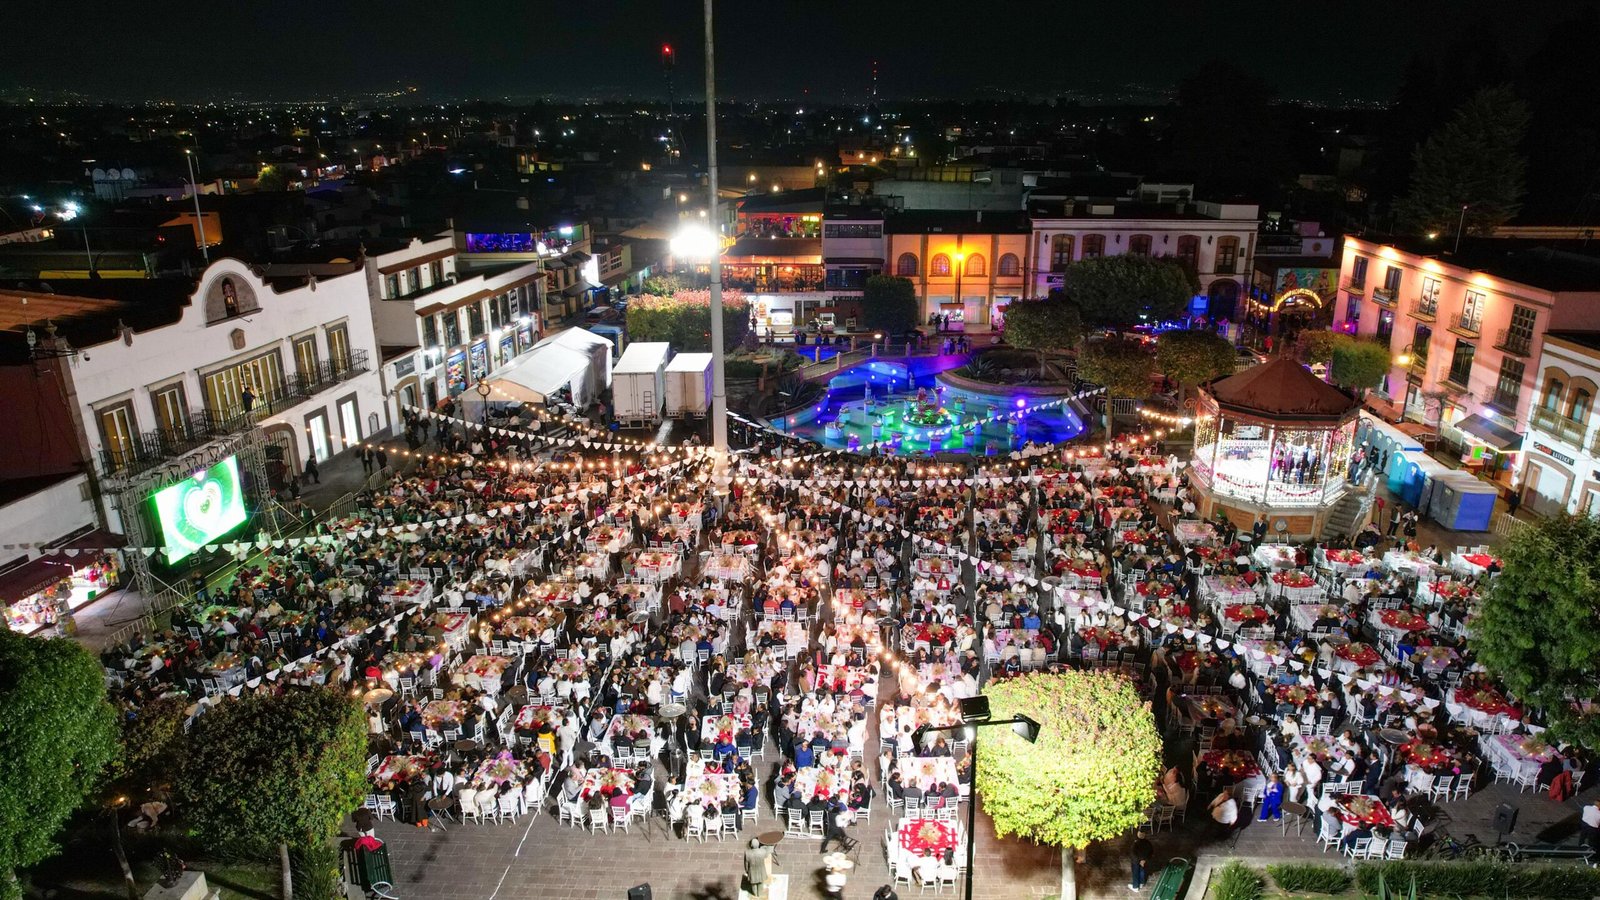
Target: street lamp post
960 259
200 222
719 384
975 715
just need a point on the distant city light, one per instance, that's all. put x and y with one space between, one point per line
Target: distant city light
694 242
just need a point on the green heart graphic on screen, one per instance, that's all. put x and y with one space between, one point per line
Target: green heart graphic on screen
200 509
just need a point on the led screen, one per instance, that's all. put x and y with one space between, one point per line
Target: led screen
200 509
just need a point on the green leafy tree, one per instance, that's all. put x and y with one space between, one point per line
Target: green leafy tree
1358 365
1525 632
152 743
889 304
1316 345
666 284
1475 161
275 178
1122 367
57 735
275 772
1194 357
1051 325
684 319
1124 290
1090 775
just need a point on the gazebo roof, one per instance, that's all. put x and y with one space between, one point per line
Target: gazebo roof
1281 388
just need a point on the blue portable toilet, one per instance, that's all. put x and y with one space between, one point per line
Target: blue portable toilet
1462 502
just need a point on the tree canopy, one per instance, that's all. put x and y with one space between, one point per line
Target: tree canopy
1358 364
889 304
1119 290
1315 345
684 319
1122 367
1093 770
57 734
1053 324
1528 632
266 770
1474 161
1194 357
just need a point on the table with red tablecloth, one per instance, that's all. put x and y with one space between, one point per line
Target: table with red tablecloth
1245 613
927 837
1371 813
1236 765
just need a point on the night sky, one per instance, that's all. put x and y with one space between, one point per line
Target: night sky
293 49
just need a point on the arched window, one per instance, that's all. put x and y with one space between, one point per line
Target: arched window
939 266
906 266
1061 252
976 265
1582 402
1552 395
1009 267
1189 249
1094 246
1139 244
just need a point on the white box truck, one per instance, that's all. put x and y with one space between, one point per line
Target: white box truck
689 385
638 384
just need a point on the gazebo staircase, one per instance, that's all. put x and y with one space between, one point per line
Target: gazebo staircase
1349 515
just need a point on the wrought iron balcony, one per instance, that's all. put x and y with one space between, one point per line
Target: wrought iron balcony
1384 296
1466 326
1559 427
1514 343
1424 310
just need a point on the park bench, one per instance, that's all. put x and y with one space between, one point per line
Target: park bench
374 875
1577 850
1169 884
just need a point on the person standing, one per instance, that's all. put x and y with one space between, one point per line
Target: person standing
312 474
758 867
1272 799
383 459
1139 861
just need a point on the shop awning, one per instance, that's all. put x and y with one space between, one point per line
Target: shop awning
1490 433
575 290
32 577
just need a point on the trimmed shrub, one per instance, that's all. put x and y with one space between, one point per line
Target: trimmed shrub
1483 879
1236 881
1309 878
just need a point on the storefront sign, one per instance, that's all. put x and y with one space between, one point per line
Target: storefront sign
1560 457
480 359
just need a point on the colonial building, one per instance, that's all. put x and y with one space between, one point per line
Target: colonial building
1561 451
1465 329
467 323
1216 239
965 265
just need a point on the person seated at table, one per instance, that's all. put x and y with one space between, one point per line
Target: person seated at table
1361 831
1224 811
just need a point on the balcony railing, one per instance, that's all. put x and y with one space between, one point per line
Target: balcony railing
1506 401
1356 287
1385 296
202 426
1456 380
1514 343
1424 309
1558 426
1466 326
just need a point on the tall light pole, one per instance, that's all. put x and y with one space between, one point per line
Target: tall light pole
719 385
200 222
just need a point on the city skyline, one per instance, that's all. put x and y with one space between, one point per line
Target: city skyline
612 50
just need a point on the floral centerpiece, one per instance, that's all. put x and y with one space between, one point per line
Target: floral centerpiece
1534 746
1245 612
569 669
1292 694
1103 637
614 780
1362 655
1234 763
1211 707
1293 579
502 768
1431 757
1483 699
1189 660
1319 746
438 713
1160 590
633 727
1451 590
1405 620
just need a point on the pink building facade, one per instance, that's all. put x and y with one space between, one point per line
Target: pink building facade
1465 331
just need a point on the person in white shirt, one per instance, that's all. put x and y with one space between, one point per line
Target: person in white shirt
1313 773
1225 810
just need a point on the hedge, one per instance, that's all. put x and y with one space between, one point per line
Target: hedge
1483 879
1236 881
1309 878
